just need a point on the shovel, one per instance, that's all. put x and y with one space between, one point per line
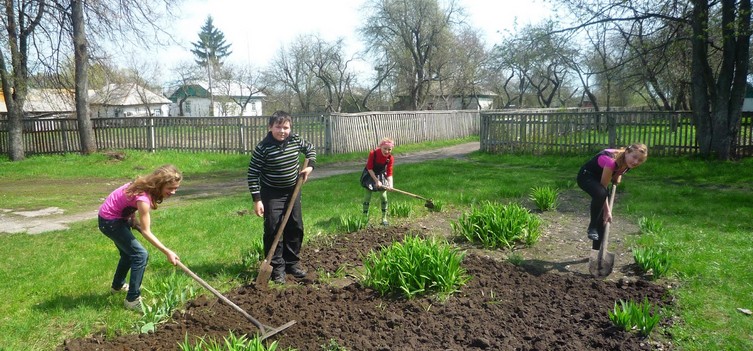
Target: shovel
429 204
265 269
265 330
601 262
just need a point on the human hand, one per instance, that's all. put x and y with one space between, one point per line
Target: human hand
172 257
259 208
607 217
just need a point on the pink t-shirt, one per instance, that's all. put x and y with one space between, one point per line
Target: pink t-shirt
607 161
118 205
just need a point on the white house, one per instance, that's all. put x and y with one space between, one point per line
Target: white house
44 103
226 98
127 100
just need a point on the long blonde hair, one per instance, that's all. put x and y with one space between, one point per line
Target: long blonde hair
154 183
619 155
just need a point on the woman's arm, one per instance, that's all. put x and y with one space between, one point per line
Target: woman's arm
146 231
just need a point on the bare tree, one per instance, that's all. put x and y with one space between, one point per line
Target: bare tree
410 34
720 55
289 71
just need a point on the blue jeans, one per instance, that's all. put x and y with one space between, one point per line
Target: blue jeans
133 256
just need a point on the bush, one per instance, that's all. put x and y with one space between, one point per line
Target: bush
650 260
629 315
544 197
353 223
168 293
415 267
495 226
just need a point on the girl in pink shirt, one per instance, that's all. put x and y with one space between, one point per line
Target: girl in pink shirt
116 217
594 177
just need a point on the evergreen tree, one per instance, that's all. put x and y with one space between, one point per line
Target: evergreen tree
211 46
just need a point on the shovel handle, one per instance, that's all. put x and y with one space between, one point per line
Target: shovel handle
285 218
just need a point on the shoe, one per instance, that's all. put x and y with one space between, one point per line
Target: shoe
278 278
296 271
278 275
593 234
134 305
385 223
123 288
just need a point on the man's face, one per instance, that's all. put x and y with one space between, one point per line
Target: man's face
280 131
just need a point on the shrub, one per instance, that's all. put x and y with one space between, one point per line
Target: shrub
650 225
353 223
629 315
650 260
544 197
494 226
415 267
230 343
400 210
168 293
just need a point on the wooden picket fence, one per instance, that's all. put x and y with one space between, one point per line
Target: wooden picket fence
330 133
665 133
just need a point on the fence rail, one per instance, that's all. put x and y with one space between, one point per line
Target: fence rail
330 133
665 133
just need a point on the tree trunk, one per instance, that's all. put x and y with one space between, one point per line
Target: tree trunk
717 103
81 56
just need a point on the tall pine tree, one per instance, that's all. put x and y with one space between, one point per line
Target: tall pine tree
211 48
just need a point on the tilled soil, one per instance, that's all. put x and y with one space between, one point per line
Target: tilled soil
531 306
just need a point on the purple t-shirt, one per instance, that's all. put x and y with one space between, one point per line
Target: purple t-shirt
118 205
607 161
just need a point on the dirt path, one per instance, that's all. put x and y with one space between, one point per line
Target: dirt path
53 218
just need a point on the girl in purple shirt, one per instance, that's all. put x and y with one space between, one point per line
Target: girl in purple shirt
594 177
117 216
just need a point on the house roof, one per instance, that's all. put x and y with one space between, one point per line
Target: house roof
222 88
126 95
45 101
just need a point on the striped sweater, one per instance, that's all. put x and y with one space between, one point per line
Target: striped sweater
275 164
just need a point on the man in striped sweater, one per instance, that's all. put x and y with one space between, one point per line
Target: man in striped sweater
272 175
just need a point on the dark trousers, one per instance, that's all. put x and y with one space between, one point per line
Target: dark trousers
133 256
275 203
591 184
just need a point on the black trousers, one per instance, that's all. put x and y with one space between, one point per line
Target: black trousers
275 201
591 184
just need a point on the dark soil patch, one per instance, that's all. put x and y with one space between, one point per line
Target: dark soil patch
503 307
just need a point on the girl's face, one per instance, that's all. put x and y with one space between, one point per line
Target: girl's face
169 189
386 150
634 158
280 131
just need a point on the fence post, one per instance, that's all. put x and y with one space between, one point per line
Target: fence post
151 136
241 136
328 134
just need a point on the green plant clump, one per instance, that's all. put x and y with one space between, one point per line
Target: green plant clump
230 343
650 225
353 223
168 293
415 267
651 260
499 226
545 197
629 315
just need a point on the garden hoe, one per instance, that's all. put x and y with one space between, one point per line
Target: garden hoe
265 331
429 204
265 269
601 261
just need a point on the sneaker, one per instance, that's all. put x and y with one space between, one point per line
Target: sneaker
134 305
593 234
123 288
296 271
385 223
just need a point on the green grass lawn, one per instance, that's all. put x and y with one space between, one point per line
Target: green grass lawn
55 285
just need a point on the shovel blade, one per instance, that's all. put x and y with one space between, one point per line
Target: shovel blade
601 266
265 272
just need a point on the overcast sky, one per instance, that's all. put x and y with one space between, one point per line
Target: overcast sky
257 28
